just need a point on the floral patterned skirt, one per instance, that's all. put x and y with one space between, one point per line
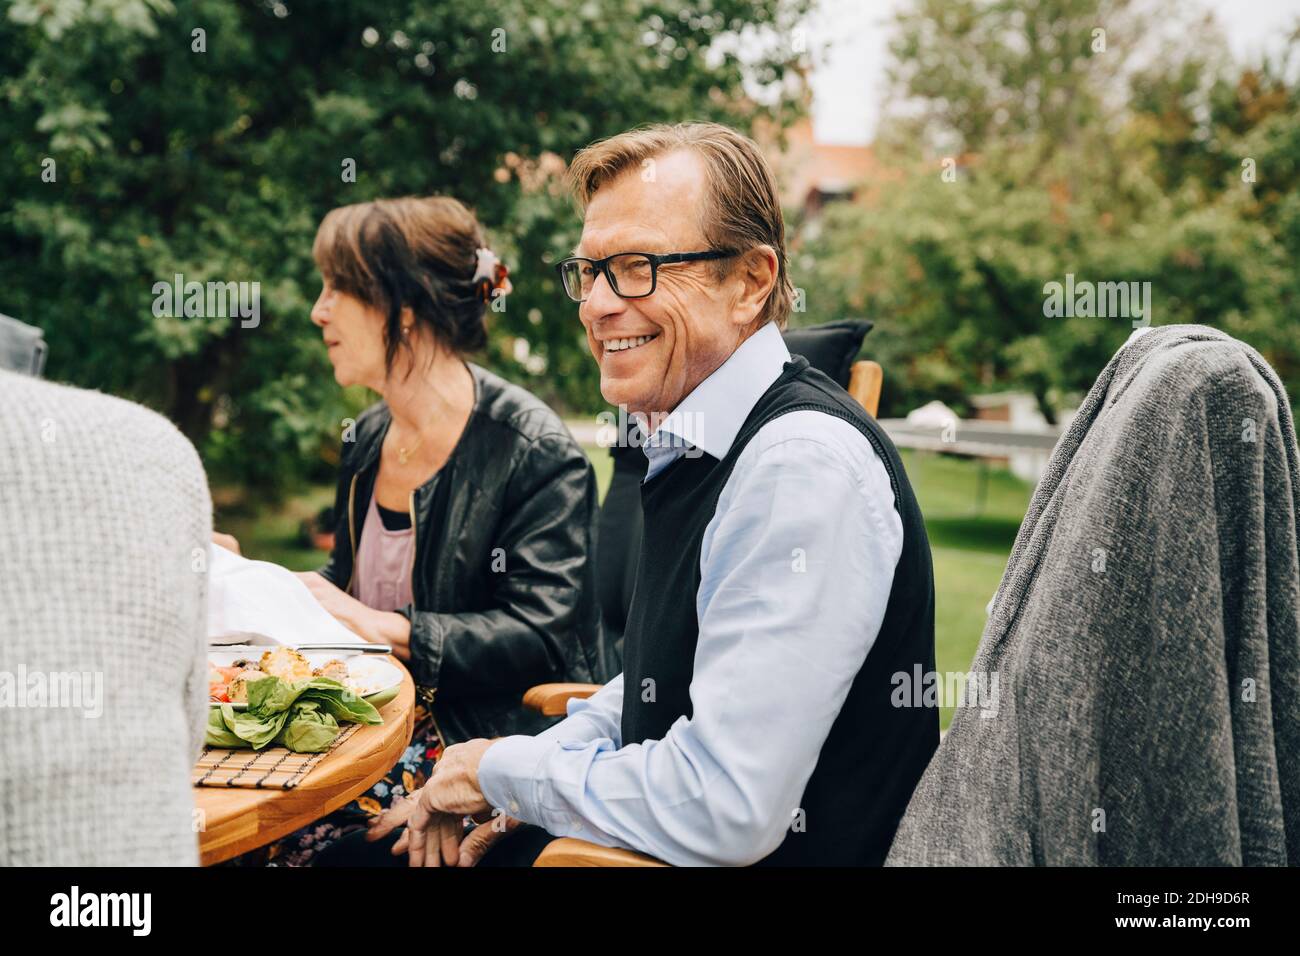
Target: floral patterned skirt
410 773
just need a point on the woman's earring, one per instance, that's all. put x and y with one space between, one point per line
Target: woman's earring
406 330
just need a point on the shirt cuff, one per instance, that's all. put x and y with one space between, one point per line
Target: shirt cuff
509 776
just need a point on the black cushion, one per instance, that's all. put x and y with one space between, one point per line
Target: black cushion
830 347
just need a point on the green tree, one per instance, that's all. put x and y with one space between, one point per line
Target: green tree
1115 165
208 137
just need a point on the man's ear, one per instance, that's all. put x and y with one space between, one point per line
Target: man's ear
755 275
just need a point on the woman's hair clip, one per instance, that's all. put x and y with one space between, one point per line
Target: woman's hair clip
490 276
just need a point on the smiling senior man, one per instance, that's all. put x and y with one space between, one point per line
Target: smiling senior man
785 575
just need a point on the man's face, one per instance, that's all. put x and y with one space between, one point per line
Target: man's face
689 324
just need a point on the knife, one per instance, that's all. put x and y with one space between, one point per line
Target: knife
354 648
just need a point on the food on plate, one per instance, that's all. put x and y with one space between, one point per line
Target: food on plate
229 685
219 679
282 699
286 664
303 715
237 691
336 669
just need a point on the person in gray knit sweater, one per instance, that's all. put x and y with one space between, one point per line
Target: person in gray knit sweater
104 520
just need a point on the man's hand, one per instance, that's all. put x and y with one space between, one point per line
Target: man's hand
378 627
453 788
434 815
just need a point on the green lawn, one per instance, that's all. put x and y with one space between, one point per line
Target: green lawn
970 550
273 534
604 466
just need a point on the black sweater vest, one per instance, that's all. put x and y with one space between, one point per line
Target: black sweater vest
875 752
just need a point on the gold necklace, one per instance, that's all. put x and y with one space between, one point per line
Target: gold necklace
404 453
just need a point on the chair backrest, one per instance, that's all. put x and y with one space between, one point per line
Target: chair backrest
865 383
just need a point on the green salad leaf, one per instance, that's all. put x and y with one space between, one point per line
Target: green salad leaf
218 735
308 729
254 727
337 700
271 695
303 716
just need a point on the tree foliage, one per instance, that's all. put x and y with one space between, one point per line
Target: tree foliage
1017 152
214 154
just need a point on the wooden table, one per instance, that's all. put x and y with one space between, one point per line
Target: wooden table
238 819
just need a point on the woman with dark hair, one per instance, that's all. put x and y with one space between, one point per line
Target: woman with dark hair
465 509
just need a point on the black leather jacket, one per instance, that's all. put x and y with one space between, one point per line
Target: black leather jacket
503 574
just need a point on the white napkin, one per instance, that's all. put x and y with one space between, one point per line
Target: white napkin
257 602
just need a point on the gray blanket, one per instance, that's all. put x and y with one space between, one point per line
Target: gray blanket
1145 636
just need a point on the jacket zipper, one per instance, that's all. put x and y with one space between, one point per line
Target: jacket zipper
415 542
352 532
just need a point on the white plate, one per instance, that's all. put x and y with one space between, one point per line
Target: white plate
373 673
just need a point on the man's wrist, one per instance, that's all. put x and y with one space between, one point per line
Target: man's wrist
509 771
479 763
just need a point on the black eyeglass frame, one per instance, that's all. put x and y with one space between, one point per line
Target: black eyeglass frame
601 267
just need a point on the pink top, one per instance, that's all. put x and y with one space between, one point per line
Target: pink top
383 579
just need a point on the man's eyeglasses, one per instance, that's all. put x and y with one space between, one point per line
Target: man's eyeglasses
632 275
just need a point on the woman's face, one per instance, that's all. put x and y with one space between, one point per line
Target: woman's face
354 337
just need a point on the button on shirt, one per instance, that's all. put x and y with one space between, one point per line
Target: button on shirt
808 513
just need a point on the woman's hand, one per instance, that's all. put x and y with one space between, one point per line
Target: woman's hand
485 836
378 627
430 838
473 846
226 541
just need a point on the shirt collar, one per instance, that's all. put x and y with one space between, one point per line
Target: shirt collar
709 418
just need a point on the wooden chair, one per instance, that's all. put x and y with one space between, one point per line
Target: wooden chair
551 700
865 380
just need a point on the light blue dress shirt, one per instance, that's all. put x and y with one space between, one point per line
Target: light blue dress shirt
796 568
